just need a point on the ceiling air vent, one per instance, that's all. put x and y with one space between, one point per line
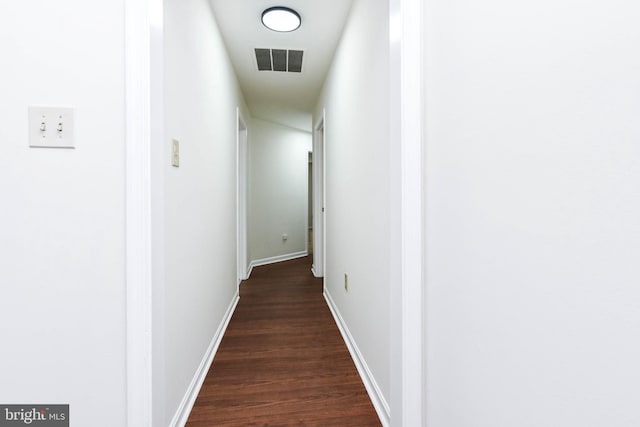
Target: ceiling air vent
295 61
263 56
279 60
279 57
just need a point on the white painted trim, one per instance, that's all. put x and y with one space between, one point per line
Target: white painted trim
319 196
407 301
184 409
242 151
375 394
412 239
274 259
140 16
309 196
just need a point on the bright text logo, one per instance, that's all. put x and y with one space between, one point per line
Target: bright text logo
34 415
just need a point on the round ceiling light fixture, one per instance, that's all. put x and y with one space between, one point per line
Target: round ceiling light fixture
281 19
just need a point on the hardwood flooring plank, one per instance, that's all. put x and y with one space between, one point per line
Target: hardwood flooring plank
282 360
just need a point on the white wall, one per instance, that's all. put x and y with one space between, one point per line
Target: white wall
279 193
62 310
356 99
532 206
291 117
201 96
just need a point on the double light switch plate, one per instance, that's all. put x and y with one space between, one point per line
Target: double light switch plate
51 127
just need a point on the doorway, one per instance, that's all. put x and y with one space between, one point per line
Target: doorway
310 204
241 189
318 198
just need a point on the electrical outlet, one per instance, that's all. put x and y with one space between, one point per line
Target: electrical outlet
284 237
346 282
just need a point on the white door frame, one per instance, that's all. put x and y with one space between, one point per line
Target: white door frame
143 47
145 152
408 379
242 186
309 199
319 199
144 142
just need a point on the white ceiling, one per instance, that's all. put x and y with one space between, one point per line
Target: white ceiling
282 97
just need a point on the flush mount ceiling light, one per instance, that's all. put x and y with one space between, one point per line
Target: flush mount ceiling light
281 19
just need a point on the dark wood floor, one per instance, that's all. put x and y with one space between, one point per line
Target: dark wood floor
282 360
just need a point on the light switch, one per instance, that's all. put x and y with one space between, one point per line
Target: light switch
175 153
51 127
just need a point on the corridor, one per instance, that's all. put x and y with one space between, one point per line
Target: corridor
282 360
475 202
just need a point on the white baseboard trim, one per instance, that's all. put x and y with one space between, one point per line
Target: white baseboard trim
375 394
182 414
274 259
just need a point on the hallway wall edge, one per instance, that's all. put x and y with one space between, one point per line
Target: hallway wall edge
184 410
373 390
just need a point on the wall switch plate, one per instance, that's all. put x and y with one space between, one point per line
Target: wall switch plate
51 127
175 153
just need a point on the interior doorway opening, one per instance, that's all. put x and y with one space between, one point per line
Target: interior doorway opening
318 198
241 208
310 204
